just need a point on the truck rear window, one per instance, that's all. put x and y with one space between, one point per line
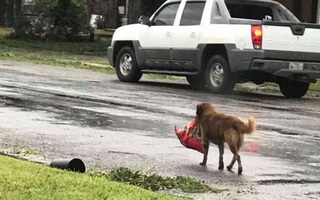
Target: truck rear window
254 12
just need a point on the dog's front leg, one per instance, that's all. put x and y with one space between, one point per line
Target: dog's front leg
205 145
221 152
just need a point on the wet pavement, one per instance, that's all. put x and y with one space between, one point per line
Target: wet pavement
66 113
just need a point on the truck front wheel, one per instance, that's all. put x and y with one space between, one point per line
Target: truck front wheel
218 77
197 82
293 89
126 65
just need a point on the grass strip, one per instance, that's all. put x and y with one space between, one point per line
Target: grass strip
26 180
155 182
89 64
86 55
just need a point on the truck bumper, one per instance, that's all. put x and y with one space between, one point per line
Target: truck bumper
276 63
110 55
308 71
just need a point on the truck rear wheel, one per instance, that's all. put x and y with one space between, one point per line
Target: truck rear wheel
126 66
293 89
218 77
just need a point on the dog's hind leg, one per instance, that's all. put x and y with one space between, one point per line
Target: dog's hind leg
239 165
240 142
221 152
230 138
235 157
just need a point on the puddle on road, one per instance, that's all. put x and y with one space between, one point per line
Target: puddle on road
296 132
63 113
280 130
90 114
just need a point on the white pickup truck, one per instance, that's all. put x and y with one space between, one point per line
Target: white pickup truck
217 43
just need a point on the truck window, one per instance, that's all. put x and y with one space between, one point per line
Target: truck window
166 16
282 15
192 13
246 11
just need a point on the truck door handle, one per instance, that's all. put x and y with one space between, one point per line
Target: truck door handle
168 34
193 35
298 29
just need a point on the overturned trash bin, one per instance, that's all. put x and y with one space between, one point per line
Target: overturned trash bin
74 164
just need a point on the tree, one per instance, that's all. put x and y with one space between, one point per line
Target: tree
3 11
43 7
142 7
134 11
150 6
69 18
15 16
89 8
10 12
69 14
111 16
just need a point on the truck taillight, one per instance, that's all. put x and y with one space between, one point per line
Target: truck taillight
256 34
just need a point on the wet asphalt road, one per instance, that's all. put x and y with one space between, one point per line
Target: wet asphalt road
66 113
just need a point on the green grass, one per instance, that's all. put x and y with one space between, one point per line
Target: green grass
27 151
270 88
315 86
26 180
88 55
264 88
154 182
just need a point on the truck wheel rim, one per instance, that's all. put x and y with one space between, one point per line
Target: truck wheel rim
216 75
126 64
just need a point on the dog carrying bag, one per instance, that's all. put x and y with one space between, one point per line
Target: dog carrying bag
189 136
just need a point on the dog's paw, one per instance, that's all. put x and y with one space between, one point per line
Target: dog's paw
202 164
221 165
240 171
229 168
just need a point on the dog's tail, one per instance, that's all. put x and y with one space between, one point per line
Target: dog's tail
251 127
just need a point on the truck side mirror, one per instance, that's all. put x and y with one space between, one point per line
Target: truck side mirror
144 20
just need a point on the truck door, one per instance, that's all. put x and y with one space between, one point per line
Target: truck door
156 42
186 36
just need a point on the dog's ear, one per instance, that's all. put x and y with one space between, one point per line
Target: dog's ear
199 111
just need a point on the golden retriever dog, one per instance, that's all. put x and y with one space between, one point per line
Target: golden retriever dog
219 128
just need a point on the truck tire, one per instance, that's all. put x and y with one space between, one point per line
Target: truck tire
293 89
218 77
197 82
126 65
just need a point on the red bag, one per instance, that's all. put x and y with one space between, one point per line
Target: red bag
189 136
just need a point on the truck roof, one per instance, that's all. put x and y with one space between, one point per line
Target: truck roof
242 1
235 1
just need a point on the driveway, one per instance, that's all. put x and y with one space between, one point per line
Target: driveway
67 112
